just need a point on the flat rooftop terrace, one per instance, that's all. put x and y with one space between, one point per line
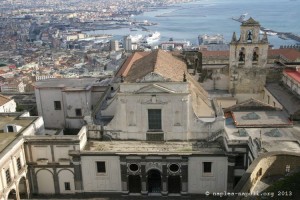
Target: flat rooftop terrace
153 147
12 119
261 119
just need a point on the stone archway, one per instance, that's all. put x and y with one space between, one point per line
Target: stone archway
12 195
174 184
23 189
154 181
134 184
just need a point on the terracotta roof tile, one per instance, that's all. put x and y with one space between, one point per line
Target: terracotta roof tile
160 62
293 74
128 63
291 54
3 100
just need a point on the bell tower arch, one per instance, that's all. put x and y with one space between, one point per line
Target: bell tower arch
248 59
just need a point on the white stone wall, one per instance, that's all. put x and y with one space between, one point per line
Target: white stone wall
66 175
198 182
132 115
45 103
270 99
45 181
9 106
8 160
107 182
70 101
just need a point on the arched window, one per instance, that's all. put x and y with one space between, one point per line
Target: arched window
242 55
249 36
255 54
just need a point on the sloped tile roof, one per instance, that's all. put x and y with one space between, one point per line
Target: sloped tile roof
159 62
3 100
251 104
129 62
291 54
293 74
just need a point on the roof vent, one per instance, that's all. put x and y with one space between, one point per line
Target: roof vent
274 133
251 116
243 133
11 128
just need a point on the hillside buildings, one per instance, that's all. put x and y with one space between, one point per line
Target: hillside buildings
153 130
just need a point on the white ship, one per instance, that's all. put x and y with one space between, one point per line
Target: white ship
136 38
153 37
268 32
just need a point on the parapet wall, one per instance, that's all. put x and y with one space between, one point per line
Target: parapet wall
268 164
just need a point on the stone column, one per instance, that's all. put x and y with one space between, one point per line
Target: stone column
144 180
56 181
17 193
124 176
184 179
33 184
78 178
164 180
230 176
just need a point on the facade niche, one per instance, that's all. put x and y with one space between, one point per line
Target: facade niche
242 55
255 54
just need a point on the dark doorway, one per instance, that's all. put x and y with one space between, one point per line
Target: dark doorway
12 195
134 182
174 184
154 181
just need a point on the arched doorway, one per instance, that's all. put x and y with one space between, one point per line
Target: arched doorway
174 184
23 188
12 195
134 183
154 181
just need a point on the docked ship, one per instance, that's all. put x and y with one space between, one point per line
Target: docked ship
136 38
268 32
153 37
211 39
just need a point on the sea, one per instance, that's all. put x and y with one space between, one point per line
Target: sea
186 21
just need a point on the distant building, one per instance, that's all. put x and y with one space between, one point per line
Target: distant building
213 39
14 169
114 45
127 43
64 103
179 45
13 86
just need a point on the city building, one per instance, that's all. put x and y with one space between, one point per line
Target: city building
14 169
64 103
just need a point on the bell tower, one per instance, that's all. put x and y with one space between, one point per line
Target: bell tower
247 62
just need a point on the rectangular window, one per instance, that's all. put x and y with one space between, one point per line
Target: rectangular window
207 167
57 105
67 186
239 161
19 164
154 119
8 178
101 167
78 112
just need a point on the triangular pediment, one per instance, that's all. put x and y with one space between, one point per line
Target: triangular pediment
154 88
251 104
154 77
